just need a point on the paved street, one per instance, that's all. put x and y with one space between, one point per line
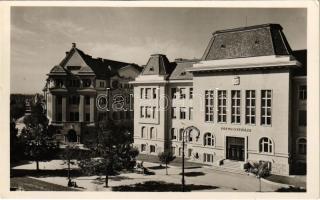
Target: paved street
218 181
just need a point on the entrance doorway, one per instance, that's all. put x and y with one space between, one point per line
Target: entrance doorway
72 136
235 148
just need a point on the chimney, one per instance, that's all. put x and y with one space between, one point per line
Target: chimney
73 45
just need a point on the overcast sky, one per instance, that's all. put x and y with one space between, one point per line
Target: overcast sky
40 36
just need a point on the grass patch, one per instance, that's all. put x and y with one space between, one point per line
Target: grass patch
160 186
193 174
30 184
291 189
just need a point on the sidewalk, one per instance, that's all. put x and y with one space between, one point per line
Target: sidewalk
177 162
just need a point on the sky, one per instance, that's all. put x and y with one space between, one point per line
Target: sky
40 36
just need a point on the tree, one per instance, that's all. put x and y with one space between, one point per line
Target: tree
16 144
166 157
38 145
112 153
68 153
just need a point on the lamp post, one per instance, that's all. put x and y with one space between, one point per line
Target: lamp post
188 129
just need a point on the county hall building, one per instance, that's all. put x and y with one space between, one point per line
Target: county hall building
246 97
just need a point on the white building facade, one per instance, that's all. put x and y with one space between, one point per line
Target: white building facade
246 96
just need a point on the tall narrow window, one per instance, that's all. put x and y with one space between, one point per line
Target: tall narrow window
303 92
148 93
265 145
141 112
235 106
182 93
148 111
173 93
209 105
153 112
302 146
173 113
302 118
143 132
250 107
190 113
173 134
183 113
181 134
191 93
266 107
141 93
154 93
87 100
152 133
222 106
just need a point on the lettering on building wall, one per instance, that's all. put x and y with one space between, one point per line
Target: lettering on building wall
235 129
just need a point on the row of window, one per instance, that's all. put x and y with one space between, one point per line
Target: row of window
148 112
250 106
73 83
182 92
73 117
73 100
152 132
117 115
148 93
183 111
265 146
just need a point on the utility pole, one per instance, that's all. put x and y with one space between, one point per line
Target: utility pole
183 181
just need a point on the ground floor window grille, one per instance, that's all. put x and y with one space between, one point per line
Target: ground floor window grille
152 149
207 157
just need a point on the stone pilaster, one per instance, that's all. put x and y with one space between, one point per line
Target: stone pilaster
81 109
53 106
91 109
64 109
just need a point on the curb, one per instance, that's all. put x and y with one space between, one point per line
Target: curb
280 184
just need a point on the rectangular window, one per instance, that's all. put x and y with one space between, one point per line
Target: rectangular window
181 134
76 116
87 100
173 93
250 107
207 157
148 111
59 117
191 93
209 94
190 113
141 112
153 112
173 113
143 147
182 93
303 92
87 117
101 83
173 134
182 113
141 93
152 149
222 106
302 118
173 150
266 98
235 106
148 93
154 93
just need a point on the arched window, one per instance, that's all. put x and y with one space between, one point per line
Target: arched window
208 139
265 145
143 132
302 146
152 133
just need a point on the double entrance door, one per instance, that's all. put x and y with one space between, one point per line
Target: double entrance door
235 148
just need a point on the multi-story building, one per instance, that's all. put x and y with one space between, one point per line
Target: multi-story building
246 99
82 91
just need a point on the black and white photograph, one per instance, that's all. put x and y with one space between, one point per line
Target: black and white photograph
159 99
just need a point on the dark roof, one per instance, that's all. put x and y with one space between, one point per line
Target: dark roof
158 64
180 73
301 56
101 68
252 41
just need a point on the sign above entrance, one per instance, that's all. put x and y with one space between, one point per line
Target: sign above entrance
235 129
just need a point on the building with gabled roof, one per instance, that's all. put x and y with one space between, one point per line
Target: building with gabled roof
79 92
246 99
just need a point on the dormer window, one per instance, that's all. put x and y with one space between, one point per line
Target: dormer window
58 83
86 83
183 73
256 42
151 69
73 67
222 46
